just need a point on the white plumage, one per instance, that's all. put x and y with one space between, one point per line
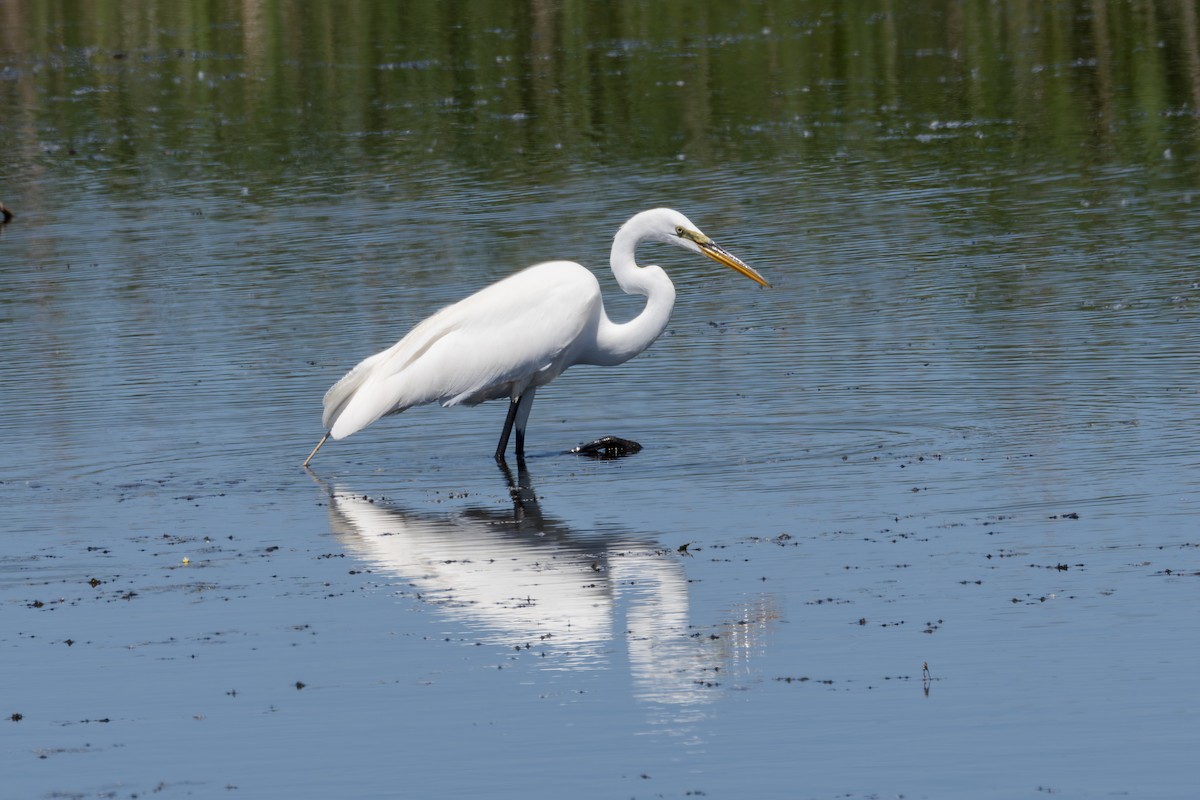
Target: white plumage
520 333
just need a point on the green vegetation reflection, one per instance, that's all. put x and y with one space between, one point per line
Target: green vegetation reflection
255 88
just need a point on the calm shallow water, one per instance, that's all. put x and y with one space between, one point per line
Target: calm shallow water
959 432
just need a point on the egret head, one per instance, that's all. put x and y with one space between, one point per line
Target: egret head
674 228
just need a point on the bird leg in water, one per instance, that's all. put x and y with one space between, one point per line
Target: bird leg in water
518 414
504 433
315 449
607 447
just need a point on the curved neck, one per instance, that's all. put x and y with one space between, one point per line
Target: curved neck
618 342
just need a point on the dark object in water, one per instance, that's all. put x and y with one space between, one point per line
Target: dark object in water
607 447
5 214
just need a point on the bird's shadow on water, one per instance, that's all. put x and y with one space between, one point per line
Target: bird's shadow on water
521 578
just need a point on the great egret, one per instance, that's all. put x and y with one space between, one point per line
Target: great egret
520 333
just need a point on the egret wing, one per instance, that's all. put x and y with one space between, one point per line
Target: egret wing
522 331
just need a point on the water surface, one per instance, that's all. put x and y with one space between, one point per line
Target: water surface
920 520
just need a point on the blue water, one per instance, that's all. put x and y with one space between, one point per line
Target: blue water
938 491
920 521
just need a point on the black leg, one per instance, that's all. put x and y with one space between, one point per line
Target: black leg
524 404
508 424
518 414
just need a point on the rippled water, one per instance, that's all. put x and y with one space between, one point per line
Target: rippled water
920 520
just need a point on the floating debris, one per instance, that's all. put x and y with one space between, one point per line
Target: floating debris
607 447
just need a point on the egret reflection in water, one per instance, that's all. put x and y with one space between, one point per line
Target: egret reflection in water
519 578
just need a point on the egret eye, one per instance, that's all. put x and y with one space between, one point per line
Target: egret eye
679 230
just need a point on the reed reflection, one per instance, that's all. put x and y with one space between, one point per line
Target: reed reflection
525 580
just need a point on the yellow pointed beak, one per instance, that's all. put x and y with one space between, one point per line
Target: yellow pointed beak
723 256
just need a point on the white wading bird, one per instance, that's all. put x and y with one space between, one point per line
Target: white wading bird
520 333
